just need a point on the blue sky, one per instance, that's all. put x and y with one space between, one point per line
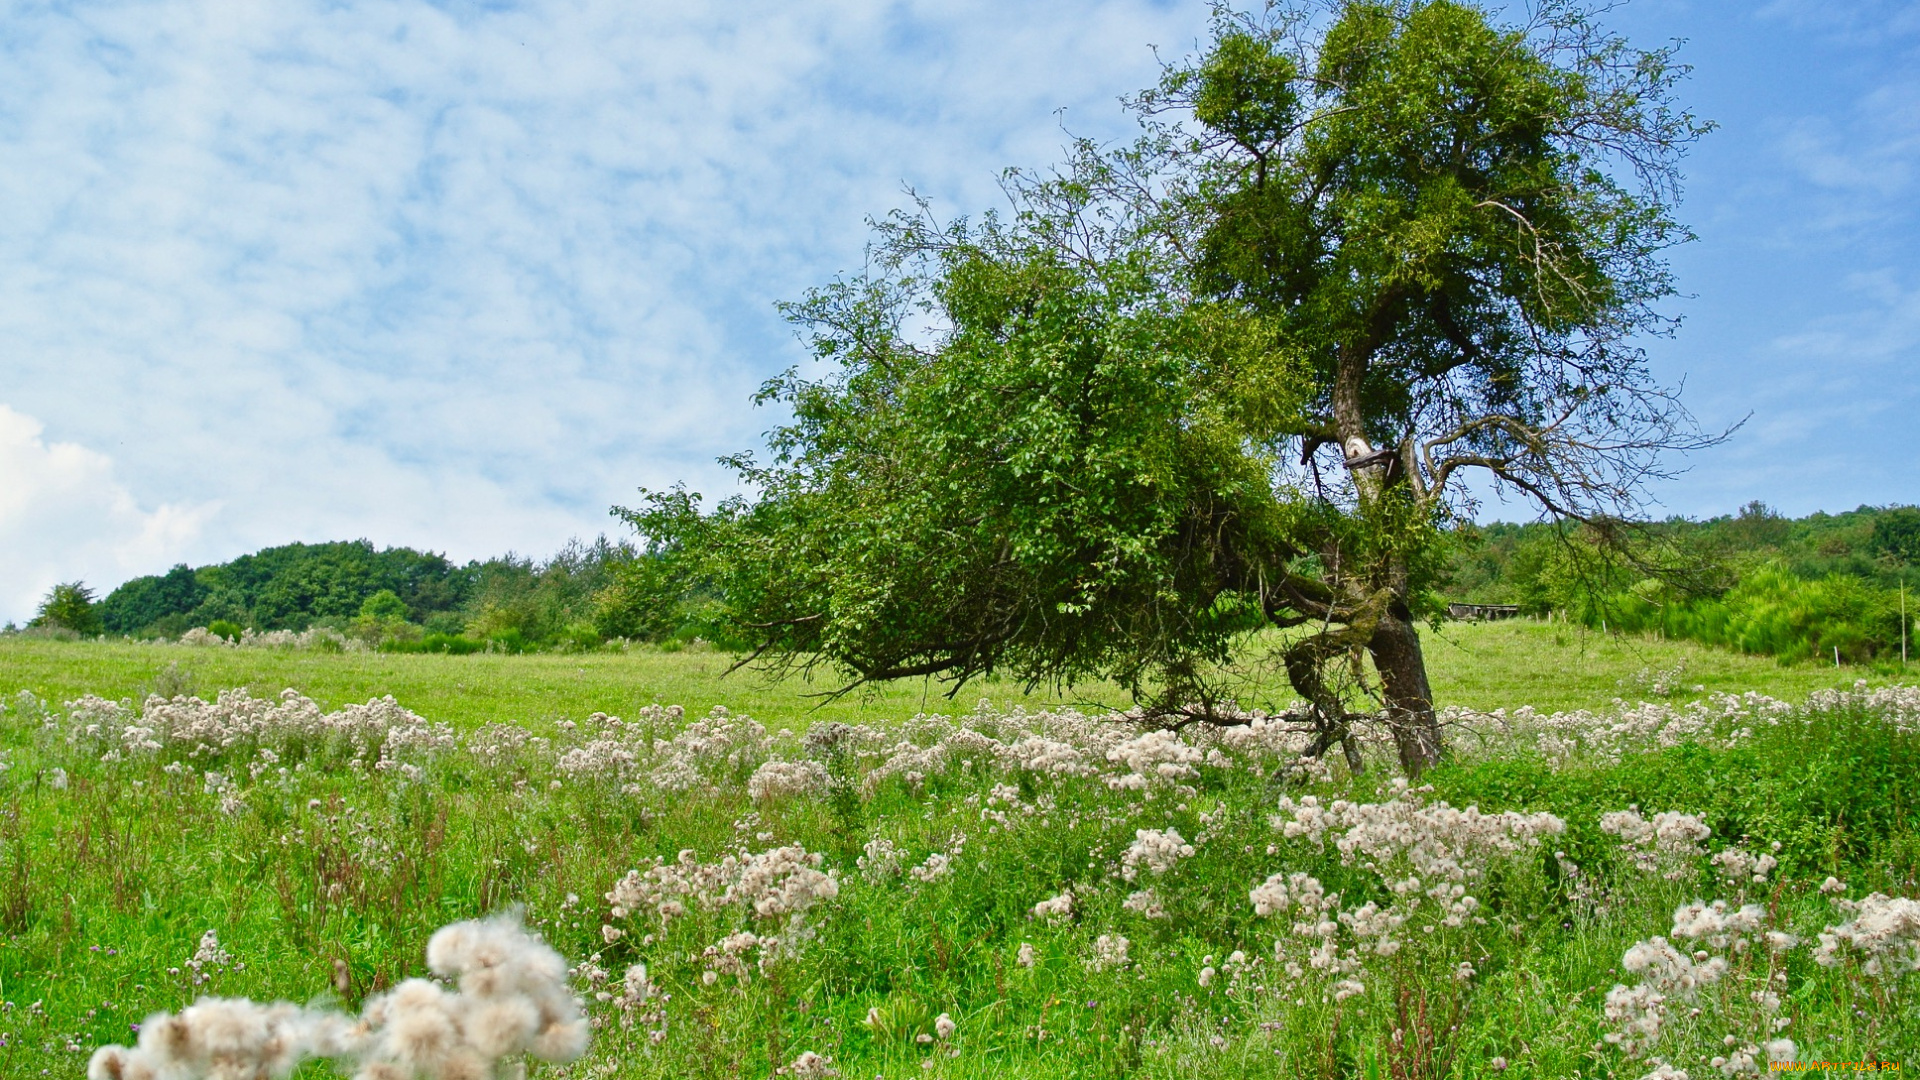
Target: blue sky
461 276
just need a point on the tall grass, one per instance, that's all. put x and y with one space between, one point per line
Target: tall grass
1012 894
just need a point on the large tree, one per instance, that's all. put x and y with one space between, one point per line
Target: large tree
1230 377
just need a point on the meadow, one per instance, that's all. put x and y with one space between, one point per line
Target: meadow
1709 873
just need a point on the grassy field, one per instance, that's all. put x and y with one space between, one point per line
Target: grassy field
1481 666
1041 894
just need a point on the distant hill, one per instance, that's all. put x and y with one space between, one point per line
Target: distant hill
299 586
1756 581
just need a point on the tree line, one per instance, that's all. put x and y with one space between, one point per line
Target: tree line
1820 587
395 597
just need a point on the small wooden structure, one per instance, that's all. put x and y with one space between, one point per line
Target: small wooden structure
1473 612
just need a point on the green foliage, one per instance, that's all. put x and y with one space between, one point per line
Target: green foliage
69 606
1896 534
452 644
385 597
1219 380
291 587
542 602
329 863
1755 581
145 602
1057 486
225 628
1476 665
383 605
1834 793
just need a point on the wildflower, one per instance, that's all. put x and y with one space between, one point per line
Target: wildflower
1884 930
808 1066
1665 843
879 860
1109 951
1739 867
1025 956
787 779
1054 909
944 1027
511 999
936 867
1155 851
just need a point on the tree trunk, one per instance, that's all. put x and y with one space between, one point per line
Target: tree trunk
1394 643
1395 646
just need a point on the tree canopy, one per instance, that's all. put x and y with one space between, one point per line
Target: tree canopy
1228 377
68 606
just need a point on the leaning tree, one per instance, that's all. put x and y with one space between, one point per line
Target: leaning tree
1231 377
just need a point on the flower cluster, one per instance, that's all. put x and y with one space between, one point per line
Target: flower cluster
1054 909
774 890
1154 757
1740 867
1667 844
319 637
1674 983
235 725
1435 841
1884 933
1154 850
511 998
787 779
1109 951
1720 719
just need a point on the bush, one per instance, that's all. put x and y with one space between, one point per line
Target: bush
452 644
1771 612
69 606
226 628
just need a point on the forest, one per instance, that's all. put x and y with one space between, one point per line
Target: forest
1754 581
1816 587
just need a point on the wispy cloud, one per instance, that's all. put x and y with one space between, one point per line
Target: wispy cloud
463 275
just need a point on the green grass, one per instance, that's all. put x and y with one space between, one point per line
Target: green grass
106 883
1560 666
468 691
1481 666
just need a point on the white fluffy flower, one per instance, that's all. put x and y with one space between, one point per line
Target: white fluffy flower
1055 908
1155 851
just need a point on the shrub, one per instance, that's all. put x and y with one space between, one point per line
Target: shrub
452 644
69 606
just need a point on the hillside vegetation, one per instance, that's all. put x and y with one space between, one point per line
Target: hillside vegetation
395 597
1756 582
1648 890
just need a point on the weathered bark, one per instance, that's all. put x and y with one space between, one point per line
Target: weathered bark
1395 646
1391 636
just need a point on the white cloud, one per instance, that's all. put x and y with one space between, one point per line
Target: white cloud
64 515
462 276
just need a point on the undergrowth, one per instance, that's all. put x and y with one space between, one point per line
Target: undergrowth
995 894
